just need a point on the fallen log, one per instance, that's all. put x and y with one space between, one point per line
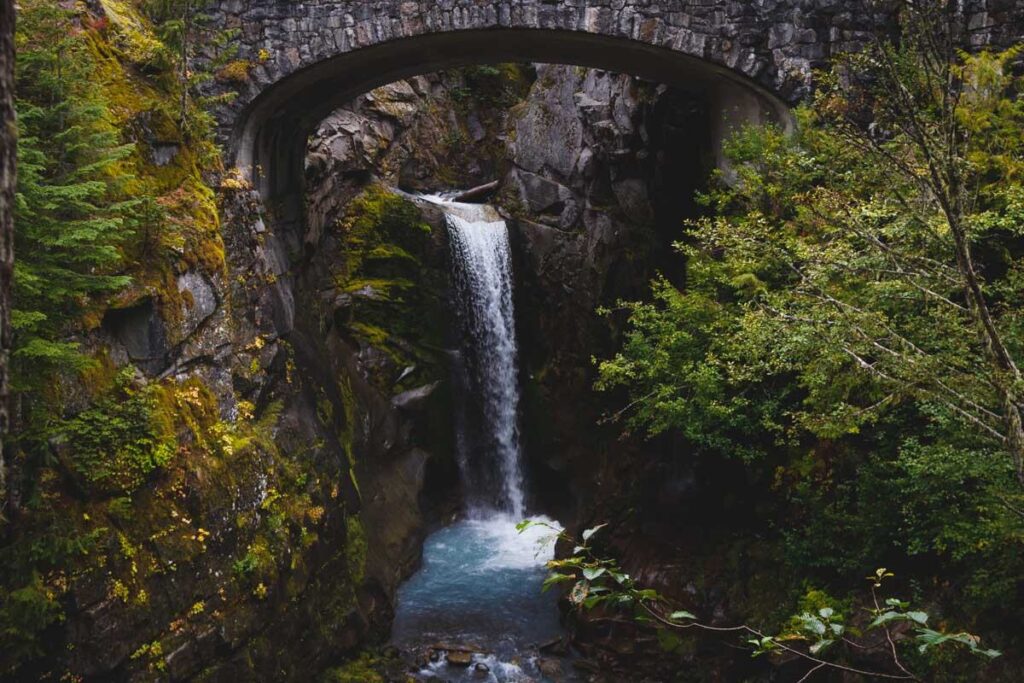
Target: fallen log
476 192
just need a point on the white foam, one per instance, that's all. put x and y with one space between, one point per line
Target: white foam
533 547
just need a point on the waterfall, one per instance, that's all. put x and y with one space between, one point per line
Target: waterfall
481 578
488 426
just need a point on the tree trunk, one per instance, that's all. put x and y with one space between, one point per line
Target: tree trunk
1015 435
8 142
1007 374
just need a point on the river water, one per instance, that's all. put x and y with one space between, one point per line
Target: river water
480 588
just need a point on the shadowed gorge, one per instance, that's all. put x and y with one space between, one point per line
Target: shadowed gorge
518 341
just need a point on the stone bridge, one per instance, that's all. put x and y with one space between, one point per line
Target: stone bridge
752 58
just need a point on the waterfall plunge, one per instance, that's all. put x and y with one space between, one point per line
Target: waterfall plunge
489 429
481 578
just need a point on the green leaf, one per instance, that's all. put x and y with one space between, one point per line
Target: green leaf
555 579
927 638
592 530
885 618
763 645
812 624
681 614
591 573
668 641
820 645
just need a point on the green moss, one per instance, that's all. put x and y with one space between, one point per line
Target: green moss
355 549
131 33
380 226
324 408
385 252
181 220
347 435
128 541
372 335
396 300
377 289
362 670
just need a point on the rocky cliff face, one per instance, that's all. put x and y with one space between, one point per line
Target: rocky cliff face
592 158
275 383
582 157
305 381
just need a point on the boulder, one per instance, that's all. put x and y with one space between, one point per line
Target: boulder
550 668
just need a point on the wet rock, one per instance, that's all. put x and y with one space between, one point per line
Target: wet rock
541 194
200 301
414 399
141 331
557 646
460 658
549 133
481 670
586 665
632 197
550 668
398 100
189 657
103 637
598 119
420 134
164 153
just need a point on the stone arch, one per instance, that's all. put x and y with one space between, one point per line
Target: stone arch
310 57
272 129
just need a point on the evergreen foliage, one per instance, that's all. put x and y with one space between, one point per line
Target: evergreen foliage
72 215
182 27
81 212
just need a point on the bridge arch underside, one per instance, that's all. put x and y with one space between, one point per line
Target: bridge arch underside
269 136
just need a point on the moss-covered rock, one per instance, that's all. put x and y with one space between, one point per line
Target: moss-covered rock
389 297
160 524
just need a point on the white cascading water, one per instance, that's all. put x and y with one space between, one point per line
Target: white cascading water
482 274
480 580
